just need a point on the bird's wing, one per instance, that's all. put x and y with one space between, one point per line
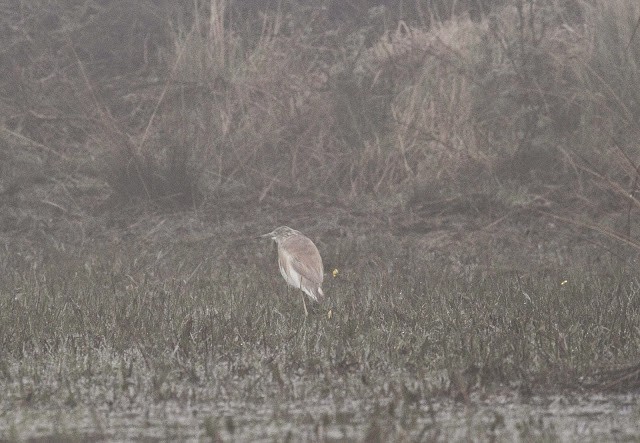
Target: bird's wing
305 258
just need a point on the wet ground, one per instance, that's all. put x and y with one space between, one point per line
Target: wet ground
503 417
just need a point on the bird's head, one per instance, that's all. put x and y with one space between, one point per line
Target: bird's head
280 233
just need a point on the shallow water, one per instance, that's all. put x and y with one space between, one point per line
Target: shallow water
504 417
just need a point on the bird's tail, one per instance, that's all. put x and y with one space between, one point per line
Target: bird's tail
316 294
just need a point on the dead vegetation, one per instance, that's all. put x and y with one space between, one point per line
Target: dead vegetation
529 104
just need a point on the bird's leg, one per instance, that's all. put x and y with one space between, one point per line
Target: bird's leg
304 303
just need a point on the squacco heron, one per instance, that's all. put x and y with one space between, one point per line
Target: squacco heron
299 262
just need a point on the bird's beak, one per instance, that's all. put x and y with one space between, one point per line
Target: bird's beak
269 235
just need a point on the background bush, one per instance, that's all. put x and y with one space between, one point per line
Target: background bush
528 103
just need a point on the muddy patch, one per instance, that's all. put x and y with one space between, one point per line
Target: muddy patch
502 417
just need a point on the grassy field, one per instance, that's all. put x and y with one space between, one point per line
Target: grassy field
469 173
121 347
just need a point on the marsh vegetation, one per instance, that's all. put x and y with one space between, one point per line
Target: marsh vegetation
468 171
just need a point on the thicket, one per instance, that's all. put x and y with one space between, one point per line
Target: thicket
532 102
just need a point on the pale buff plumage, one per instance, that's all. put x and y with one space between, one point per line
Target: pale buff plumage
299 261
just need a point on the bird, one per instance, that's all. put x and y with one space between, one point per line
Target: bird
299 262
